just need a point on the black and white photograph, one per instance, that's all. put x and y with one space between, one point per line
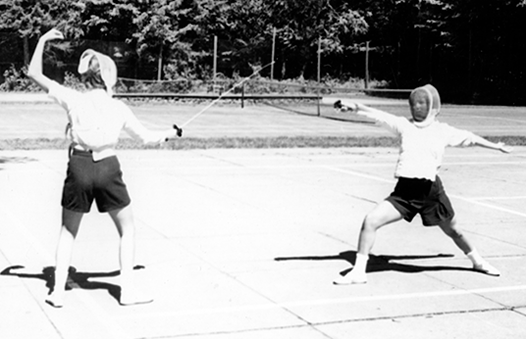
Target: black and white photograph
262 169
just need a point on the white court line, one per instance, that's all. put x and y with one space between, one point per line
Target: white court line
448 163
358 174
485 163
518 197
240 166
470 200
325 302
496 118
475 202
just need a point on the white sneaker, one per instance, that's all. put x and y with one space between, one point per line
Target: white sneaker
55 299
486 268
132 296
351 278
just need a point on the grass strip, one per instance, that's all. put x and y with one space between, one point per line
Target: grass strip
238 142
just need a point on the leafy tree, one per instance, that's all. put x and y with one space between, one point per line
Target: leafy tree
246 31
301 24
165 31
487 45
108 20
30 18
243 34
472 50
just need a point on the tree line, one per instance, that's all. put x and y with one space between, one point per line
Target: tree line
472 50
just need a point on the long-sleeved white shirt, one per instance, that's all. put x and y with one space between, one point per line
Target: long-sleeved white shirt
421 148
96 120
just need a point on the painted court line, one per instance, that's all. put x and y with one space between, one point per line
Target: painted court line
325 302
485 163
470 200
519 197
480 203
498 118
306 158
358 174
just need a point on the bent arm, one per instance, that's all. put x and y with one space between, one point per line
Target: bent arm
35 70
137 130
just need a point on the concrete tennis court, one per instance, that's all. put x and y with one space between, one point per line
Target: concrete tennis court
245 243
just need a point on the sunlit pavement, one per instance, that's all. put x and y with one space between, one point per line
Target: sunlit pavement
246 243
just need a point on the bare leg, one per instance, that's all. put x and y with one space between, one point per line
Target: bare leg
451 230
479 263
70 227
383 214
123 219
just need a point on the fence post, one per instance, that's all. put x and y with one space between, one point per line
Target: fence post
243 96
160 64
319 74
273 53
215 58
367 65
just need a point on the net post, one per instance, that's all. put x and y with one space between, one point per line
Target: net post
243 96
215 57
319 74
367 65
273 53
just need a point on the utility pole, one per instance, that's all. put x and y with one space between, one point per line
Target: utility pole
319 74
367 65
273 53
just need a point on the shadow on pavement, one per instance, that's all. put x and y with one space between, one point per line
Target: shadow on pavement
380 263
75 279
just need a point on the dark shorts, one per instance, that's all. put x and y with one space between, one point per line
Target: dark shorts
421 196
89 180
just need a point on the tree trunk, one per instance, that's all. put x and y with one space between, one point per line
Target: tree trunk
160 64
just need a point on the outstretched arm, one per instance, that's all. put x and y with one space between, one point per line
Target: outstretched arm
35 66
388 120
488 144
358 108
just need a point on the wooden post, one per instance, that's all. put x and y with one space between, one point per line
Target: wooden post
160 64
273 53
243 96
215 58
319 74
367 65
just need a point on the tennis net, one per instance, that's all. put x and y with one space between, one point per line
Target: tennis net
309 100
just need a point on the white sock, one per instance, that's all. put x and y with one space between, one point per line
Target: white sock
361 263
475 257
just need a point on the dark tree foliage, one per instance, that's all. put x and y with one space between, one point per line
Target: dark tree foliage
245 30
488 49
472 50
